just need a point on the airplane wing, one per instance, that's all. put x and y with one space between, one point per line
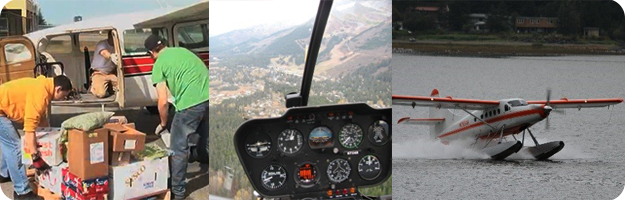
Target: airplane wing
420 121
579 103
444 102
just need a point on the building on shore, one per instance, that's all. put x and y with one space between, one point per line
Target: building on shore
591 32
536 24
478 21
18 17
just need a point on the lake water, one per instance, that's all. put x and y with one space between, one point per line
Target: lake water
591 165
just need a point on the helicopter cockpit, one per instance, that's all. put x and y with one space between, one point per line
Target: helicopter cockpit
317 152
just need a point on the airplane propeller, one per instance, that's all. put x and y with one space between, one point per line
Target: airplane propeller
548 108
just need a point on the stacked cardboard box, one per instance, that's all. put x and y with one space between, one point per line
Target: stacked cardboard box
87 154
49 141
139 179
129 178
123 139
74 187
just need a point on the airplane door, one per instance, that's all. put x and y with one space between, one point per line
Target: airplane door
17 58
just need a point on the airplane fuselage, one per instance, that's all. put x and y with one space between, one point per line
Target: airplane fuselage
513 115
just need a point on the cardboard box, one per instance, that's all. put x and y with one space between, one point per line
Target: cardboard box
52 179
85 187
139 178
125 138
49 138
69 194
119 158
87 154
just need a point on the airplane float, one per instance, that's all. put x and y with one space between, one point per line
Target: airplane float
489 122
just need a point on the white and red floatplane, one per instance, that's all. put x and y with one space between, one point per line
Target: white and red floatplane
488 122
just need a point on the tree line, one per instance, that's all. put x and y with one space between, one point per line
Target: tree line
573 15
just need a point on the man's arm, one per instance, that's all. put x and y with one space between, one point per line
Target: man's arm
36 105
163 105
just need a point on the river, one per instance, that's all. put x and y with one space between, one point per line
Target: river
591 165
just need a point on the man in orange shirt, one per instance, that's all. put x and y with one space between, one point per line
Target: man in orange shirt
25 101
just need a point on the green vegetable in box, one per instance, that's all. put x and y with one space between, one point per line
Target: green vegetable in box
86 122
151 152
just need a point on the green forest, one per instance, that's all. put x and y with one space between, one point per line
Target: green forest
453 16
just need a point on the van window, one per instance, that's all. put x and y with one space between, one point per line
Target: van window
16 53
134 39
59 44
194 37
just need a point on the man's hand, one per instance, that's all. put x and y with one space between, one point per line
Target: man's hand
30 143
114 58
161 130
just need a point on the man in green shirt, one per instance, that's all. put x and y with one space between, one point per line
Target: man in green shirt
186 76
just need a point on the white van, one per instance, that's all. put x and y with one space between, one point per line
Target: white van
68 49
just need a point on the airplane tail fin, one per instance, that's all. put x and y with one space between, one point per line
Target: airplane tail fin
440 113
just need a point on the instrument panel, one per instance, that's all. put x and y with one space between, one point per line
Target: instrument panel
326 151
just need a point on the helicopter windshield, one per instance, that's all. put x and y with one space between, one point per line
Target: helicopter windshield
353 64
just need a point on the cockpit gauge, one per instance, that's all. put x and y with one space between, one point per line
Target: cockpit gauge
258 145
339 170
369 167
306 175
290 141
350 136
320 137
378 133
273 177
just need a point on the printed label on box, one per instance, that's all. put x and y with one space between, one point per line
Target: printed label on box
96 152
130 144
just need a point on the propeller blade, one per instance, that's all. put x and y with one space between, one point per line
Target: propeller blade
548 95
547 124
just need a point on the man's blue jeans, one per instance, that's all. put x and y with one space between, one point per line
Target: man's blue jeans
186 122
12 157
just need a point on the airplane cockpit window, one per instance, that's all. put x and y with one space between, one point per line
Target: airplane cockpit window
134 39
193 37
515 103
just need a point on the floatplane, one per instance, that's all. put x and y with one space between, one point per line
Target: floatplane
488 122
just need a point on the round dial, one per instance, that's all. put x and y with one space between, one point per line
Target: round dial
350 136
338 170
379 132
369 167
306 175
273 177
258 144
290 141
320 137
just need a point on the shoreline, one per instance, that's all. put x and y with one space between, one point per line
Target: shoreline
472 48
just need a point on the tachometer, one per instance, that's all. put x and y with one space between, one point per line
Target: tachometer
339 170
320 137
350 136
258 144
290 141
369 167
306 175
273 177
379 133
